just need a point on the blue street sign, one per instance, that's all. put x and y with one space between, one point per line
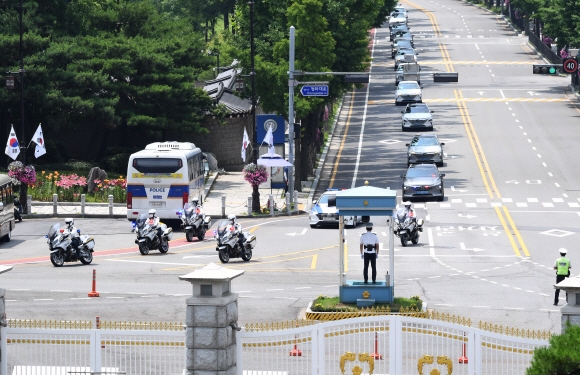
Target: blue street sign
318 90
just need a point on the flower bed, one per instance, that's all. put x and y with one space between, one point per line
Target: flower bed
69 188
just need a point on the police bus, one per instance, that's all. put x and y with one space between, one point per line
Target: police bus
7 222
164 176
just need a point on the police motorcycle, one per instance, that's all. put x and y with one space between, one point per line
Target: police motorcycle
151 233
228 241
194 221
62 242
407 227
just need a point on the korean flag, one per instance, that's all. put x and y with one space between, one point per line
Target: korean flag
38 138
12 146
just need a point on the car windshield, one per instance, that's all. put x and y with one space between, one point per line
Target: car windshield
398 15
417 109
424 170
408 86
424 141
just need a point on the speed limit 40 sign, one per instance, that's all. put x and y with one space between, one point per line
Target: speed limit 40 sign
570 65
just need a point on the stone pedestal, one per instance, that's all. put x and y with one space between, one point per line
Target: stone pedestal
571 310
211 321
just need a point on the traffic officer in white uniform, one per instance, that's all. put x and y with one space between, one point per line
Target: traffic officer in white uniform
369 251
562 267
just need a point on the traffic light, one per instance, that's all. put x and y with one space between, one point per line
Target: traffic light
550 69
356 78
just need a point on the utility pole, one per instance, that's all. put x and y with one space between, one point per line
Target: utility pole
291 117
255 191
21 72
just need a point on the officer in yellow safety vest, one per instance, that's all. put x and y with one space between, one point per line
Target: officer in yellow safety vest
562 267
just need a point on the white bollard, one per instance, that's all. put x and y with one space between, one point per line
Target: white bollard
271 201
110 206
249 205
54 205
29 204
288 204
223 206
296 200
83 200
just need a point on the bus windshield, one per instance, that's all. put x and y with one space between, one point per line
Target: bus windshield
157 165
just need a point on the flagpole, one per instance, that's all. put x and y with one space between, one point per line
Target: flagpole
21 72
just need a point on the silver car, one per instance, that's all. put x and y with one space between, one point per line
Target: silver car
417 116
397 19
425 148
423 181
408 92
401 58
321 214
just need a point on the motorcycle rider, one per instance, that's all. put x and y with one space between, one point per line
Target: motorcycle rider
409 209
154 222
74 236
237 228
196 206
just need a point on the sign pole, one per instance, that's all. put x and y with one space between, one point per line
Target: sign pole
291 118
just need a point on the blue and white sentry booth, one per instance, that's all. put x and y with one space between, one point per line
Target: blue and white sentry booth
366 201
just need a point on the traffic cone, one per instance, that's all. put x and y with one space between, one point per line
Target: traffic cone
94 292
376 354
295 352
463 359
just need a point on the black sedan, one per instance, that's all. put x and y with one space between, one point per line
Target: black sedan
423 181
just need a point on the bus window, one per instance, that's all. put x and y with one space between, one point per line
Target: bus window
157 165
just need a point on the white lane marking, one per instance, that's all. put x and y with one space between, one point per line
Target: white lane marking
11 300
540 156
550 174
476 46
362 128
149 296
573 205
307 287
533 148
544 294
557 184
178 295
434 277
544 164
529 140
530 291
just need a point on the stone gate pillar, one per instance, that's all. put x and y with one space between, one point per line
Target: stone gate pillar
211 319
571 310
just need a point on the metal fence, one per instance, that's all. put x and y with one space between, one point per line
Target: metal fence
387 345
62 348
544 49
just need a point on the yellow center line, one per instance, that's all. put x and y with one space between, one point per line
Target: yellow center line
337 162
314 260
429 14
516 231
507 231
471 141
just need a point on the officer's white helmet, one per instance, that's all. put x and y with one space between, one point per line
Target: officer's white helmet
152 213
563 251
195 201
407 205
69 222
232 218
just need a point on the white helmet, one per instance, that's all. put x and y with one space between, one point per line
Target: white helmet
563 251
69 222
195 201
407 205
152 213
232 218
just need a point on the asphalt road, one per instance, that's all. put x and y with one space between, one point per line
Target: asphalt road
486 253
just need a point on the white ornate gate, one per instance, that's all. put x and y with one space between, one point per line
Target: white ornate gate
391 344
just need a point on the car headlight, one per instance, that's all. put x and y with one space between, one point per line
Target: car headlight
412 152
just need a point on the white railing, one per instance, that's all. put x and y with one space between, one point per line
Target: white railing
42 351
393 345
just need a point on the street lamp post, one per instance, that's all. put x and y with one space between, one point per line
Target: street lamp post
217 54
21 72
255 191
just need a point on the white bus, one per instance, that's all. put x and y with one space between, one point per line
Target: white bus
7 222
164 176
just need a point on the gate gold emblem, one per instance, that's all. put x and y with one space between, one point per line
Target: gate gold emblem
362 357
366 294
366 203
428 359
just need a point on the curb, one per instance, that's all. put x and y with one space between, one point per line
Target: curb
322 159
209 184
